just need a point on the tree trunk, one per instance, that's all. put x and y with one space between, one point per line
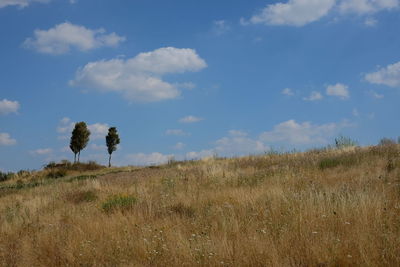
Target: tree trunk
109 161
74 158
79 155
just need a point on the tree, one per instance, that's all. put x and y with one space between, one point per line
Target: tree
112 140
79 139
343 142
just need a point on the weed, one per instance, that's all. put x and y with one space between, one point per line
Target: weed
183 210
118 202
81 196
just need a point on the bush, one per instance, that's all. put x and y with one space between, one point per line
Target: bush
183 210
81 196
387 142
343 142
332 162
6 176
68 166
56 173
118 202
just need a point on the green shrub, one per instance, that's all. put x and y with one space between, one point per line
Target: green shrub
118 202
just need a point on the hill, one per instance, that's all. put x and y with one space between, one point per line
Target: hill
318 208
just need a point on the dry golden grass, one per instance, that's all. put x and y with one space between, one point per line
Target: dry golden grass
322 208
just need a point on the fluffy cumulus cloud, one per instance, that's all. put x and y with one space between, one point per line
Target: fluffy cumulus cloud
139 78
367 6
66 125
190 119
293 12
8 106
63 37
20 3
155 158
306 133
338 90
314 96
389 76
6 140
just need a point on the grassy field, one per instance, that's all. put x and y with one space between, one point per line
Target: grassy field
319 208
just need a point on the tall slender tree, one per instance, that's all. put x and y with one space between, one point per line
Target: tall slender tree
112 140
79 139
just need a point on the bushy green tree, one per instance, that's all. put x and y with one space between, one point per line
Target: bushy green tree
112 140
79 139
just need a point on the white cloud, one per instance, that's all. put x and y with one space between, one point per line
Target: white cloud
355 112
294 12
288 92
63 37
314 96
305 133
190 119
376 95
238 143
200 154
7 106
339 90
140 78
176 132
42 151
155 158
389 76
20 3
179 146
220 27
366 6
370 22
97 130
6 140
97 147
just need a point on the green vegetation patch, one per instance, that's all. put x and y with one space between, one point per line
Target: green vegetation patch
332 162
118 202
81 196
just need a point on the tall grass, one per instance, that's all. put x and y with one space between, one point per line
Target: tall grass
271 210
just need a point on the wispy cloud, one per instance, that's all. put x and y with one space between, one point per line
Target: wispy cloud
20 3
339 90
314 96
190 119
7 140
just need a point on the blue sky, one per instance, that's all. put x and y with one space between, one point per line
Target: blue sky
191 79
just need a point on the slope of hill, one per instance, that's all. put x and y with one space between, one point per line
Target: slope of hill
319 208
